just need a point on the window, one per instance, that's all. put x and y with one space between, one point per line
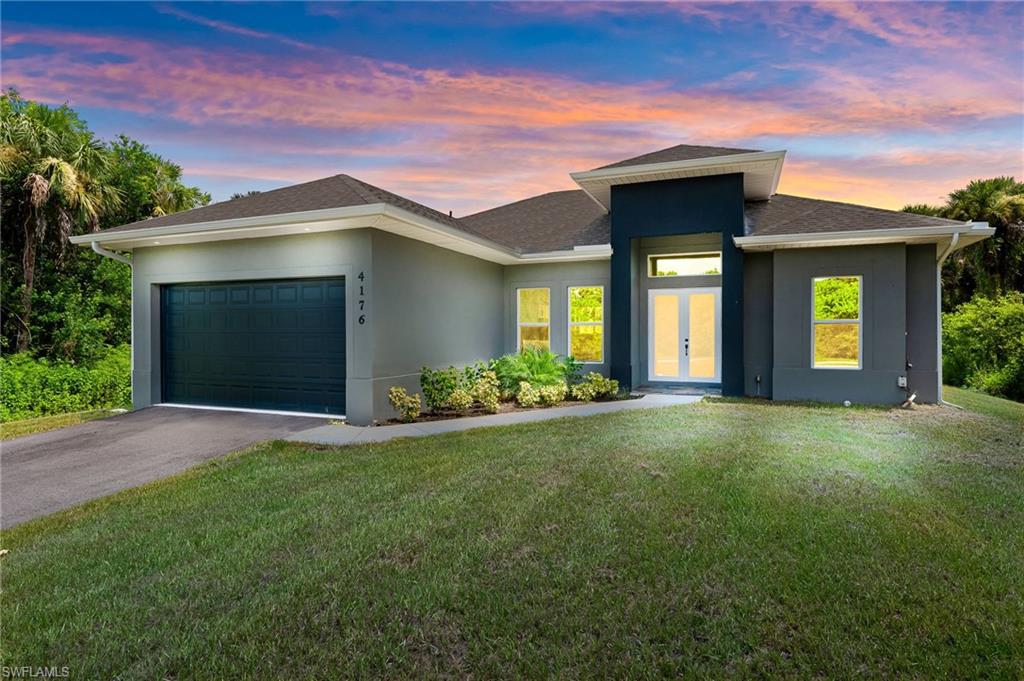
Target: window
836 333
586 323
534 318
684 264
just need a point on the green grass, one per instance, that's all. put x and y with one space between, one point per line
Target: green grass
13 429
720 539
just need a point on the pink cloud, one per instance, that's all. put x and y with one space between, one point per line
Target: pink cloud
474 139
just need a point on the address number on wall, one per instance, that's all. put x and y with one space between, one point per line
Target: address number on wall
362 298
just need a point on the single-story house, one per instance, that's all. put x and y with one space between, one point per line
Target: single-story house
681 267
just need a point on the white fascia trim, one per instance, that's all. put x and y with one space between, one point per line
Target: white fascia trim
638 172
976 231
666 166
598 252
257 222
268 225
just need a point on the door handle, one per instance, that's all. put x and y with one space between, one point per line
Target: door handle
686 347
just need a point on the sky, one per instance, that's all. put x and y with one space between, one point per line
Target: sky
465 106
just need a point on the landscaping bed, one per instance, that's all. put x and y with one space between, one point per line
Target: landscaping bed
503 408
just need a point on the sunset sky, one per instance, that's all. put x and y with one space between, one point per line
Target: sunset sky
467 106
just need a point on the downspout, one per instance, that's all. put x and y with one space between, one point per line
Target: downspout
938 312
107 253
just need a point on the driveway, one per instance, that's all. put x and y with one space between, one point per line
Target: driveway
46 472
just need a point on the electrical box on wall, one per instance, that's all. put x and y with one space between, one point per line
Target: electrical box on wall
902 381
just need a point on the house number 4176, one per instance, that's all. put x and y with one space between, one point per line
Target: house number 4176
362 299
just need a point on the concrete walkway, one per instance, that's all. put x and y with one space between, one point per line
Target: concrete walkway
348 435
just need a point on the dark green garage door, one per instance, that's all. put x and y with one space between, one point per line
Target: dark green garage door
255 344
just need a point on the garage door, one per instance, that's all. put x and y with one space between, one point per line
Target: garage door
255 344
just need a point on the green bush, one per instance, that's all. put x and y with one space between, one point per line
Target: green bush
983 345
460 400
31 387
486 392
595 386
552 394
438 385
407 406
535 366
527 395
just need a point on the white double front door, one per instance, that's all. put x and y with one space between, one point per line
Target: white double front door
684 338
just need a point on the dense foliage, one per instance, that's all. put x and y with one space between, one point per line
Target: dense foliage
58 179
66 310
994 265
32 387
983 345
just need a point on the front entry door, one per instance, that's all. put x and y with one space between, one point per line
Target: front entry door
684 339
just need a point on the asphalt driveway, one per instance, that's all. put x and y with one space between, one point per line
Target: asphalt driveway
49 471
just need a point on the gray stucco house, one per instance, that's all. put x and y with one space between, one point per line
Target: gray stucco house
682 266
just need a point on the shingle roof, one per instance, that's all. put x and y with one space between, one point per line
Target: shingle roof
550 222
560 220
784 214
680 152
338 191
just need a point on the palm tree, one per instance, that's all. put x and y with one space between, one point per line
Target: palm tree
1000 202
52 170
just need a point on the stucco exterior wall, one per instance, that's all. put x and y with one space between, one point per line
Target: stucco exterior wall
883 326
432 307
313 255
923 337
558 277
757 324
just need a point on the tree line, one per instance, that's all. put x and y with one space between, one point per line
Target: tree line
57 179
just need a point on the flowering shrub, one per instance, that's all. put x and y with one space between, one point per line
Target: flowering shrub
527 395
407 406
437 385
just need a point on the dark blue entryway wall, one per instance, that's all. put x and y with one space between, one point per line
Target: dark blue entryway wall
690 206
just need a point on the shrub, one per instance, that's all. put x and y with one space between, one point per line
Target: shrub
460 400
595 386
552 394
486 391
983 345
437 385
407 406
527 395
534 366
31 387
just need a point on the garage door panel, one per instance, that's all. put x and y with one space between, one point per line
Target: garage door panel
261 345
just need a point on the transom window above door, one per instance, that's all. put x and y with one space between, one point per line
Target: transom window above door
684 264
533 317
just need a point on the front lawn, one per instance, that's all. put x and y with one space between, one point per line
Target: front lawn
717 539
42 424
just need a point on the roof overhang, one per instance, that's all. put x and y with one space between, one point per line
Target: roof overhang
380 216
761 171
944 235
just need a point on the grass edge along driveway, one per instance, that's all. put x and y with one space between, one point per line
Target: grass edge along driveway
717 539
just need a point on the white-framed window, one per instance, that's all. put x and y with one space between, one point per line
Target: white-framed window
586 323
837 313
533 318
684 264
